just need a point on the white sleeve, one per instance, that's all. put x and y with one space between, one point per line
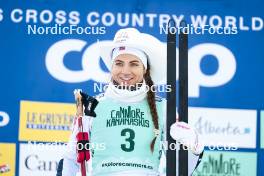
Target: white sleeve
70 165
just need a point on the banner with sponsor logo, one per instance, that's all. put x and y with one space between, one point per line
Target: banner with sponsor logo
48 49
42 121
219 127
262 129
39 159
7 159
227 163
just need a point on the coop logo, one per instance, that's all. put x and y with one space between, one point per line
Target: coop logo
90 62
91 69
4 118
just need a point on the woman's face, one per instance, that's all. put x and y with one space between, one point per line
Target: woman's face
127 69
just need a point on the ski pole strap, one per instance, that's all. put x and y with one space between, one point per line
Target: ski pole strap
85 145
80 125
83 154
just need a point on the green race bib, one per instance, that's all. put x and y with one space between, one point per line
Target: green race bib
125 131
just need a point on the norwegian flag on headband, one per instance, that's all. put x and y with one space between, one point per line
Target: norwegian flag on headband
122 48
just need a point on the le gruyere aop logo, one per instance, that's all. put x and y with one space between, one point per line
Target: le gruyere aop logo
45 121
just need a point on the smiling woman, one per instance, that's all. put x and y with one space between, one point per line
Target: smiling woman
127 69
130 118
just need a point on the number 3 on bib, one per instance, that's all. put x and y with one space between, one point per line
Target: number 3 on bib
130 134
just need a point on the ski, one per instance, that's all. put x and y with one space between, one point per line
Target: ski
183 94
171 97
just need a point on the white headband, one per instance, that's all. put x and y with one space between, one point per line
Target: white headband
129 50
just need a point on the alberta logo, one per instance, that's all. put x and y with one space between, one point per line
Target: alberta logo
45 121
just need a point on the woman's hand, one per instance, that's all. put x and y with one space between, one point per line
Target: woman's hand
79 104
185 134
85 104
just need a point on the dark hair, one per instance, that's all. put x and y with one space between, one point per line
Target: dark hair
151 103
